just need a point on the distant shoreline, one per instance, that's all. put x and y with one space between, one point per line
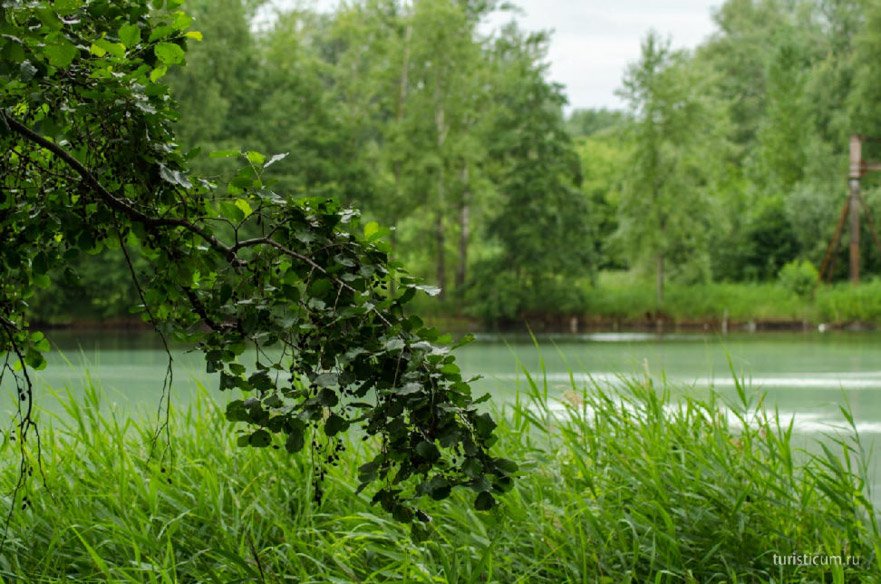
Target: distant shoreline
544 324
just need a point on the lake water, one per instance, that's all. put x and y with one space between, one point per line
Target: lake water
806 375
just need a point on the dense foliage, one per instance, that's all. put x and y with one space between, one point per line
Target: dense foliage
291 300
414 110
371 116
757 122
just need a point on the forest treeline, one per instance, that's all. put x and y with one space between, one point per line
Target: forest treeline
728 164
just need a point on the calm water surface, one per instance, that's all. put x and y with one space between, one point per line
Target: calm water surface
806 375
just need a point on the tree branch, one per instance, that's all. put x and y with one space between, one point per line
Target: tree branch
109 198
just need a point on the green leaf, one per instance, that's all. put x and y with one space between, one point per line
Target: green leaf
261 381
158 73
27 71
236 411
182 21
485 425
327 380
428 451
450 369
129 35
194 34
328 397
260 439
228 381
484 502
255 157
42 281
320 288
295 440
367 472
102 46
371 229
169 53
506 466
394 345
13 52
174 177
41 343
35 359
225 153
410 389
335 424
472 468
402 513
420 531
61 54
243 205
231 212
160 32
438 488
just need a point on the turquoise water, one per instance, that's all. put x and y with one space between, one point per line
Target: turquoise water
806 375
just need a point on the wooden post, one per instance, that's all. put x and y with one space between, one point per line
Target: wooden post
856 172
854 231
851 210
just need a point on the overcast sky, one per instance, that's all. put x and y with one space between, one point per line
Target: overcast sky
594 40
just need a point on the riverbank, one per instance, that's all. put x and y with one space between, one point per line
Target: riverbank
628 487
618 303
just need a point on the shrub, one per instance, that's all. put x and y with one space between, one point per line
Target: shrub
799 277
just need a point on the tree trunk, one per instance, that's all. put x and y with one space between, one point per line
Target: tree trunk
441 242
440 228
464 231
399 116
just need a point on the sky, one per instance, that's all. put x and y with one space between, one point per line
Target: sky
593 41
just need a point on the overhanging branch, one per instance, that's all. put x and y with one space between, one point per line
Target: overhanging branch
109 198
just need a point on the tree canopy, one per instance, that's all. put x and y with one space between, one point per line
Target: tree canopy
292 301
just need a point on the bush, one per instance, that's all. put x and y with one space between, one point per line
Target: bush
499 294
799 277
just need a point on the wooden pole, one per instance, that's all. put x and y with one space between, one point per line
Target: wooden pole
856 171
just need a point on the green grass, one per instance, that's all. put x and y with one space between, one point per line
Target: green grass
621 486
846 303
625 297
620 296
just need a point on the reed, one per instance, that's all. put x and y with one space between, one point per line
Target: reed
619 484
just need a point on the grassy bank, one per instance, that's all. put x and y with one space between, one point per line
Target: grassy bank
620 299
702 302
616 487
